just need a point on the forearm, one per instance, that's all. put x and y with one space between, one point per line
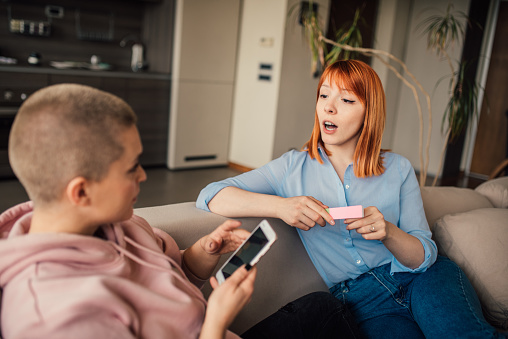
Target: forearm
407 249
234 202
212 330
198 261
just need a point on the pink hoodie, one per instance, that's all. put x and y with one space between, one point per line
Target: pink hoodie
126 283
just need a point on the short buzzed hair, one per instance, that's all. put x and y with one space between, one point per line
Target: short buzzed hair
65 131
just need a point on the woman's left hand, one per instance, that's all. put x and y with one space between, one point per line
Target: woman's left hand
372 226
224 239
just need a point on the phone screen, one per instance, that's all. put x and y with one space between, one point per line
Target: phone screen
246 253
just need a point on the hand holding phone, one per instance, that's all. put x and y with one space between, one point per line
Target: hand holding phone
228 299
250 251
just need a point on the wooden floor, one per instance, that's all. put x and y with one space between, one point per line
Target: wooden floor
460 181
162 186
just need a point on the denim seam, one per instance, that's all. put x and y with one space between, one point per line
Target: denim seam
393 296
461 282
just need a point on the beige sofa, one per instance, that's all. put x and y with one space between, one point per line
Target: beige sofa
470 227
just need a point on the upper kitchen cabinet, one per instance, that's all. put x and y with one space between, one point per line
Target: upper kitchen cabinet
65 30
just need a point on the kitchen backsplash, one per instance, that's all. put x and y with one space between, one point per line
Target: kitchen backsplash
65 30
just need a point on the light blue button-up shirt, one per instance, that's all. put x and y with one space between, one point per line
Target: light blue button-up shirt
339 254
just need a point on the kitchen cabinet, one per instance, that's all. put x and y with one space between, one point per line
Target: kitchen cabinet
149 22
150 100
147 94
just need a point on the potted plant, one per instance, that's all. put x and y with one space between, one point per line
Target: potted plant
443 30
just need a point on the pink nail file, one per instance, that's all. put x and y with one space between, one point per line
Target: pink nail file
346 212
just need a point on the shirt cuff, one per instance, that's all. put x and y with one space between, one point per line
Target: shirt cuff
430 257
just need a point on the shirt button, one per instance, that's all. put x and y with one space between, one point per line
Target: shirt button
347 239
347 187
358 261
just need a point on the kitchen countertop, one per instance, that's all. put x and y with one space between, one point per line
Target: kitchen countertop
83 72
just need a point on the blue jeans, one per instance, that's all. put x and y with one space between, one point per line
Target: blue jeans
315 315
439 303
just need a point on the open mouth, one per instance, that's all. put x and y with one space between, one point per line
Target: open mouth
329 126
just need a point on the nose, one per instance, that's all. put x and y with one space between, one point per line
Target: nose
142 175
329 108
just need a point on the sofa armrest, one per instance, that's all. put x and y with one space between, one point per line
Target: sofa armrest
284 273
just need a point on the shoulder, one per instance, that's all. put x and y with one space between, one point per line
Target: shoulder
295 155
140 231
396 162
291 159
391 158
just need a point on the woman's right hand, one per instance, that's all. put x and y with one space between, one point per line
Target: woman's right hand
226 301
303 212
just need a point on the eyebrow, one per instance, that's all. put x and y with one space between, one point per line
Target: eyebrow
136 159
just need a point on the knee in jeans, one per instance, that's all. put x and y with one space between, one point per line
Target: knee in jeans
444 263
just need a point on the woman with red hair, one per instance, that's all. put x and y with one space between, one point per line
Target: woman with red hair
383 265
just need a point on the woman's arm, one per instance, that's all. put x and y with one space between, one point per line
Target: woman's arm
234 202
226 301
407 249
302 212
260 192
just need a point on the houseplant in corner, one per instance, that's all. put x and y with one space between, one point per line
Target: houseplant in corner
443 30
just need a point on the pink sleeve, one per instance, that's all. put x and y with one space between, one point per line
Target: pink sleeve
170 248
168 245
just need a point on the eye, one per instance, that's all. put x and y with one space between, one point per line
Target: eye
134 168
323 96
348 101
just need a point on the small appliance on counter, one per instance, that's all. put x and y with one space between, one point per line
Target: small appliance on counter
137 59
34 59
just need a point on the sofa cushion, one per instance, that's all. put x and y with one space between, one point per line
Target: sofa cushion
440 201
477 241
496 190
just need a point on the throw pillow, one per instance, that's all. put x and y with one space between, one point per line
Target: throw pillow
442 200
477 242
496 190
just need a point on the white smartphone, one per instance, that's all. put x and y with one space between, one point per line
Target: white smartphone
250 251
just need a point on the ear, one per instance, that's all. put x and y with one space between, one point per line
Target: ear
77 191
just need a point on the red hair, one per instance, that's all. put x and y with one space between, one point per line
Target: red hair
362 80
